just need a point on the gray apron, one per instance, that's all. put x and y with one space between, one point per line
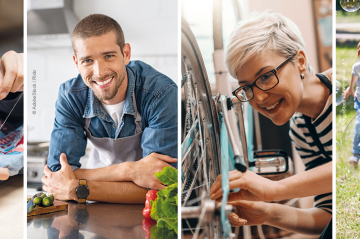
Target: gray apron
108 151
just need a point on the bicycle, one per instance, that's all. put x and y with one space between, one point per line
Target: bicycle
205 152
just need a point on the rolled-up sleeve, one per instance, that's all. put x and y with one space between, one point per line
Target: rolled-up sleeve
161 135
68 133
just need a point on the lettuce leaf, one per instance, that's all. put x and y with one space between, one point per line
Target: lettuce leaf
164 208
167 176
162 232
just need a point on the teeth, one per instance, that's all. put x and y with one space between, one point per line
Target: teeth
272 106
103 82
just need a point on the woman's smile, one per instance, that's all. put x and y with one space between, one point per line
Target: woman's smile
273 106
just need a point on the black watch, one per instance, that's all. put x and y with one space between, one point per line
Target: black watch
82 192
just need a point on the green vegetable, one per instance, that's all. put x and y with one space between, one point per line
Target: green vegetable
37 200
164 208
52 197
160 232
47 202
167 176
32 208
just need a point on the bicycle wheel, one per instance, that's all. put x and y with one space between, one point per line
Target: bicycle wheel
200 146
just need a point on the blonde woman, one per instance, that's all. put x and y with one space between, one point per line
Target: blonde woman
266 54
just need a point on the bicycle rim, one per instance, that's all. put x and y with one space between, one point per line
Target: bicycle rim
200 147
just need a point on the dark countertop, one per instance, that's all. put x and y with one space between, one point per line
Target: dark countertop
96 220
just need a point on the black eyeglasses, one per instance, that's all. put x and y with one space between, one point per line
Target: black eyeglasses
264 82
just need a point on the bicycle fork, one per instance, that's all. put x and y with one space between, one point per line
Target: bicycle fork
241 157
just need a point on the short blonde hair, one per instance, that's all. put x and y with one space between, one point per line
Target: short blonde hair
259 32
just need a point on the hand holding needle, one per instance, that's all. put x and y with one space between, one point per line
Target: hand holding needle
11 73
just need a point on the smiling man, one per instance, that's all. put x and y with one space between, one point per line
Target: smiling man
127 109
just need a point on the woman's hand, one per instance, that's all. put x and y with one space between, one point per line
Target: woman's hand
11 73
4 173
304 221
252 187
248 213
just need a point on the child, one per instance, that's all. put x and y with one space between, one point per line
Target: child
355 74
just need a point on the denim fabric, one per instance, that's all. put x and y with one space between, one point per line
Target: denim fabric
156 100
356 147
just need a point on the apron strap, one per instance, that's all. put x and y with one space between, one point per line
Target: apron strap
87 122
137 116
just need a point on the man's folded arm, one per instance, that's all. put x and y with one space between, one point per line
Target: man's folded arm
113 173
62 184
116 192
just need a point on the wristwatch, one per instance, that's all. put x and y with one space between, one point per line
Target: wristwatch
82 192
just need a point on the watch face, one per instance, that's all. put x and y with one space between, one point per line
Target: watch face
82 192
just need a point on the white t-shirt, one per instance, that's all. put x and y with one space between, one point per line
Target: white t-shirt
356 72
115 111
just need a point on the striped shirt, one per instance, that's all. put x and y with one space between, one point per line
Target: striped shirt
308 150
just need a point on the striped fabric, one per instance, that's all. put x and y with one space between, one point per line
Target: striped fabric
308 150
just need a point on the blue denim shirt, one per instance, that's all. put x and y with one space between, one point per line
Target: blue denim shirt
156 100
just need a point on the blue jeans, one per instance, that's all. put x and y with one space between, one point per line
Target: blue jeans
356 147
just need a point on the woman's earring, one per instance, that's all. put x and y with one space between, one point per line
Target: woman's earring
302 76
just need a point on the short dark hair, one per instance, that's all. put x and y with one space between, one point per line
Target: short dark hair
97 25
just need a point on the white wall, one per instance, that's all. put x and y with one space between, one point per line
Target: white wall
151 28
300 12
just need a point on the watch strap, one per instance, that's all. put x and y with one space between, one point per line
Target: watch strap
82 182
82 200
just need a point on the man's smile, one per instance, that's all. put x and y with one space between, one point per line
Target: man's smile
104 82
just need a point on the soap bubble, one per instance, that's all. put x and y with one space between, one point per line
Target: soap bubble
350 5
350 146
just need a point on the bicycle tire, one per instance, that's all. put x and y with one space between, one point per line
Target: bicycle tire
193 69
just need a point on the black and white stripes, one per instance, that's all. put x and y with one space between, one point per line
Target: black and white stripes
310 153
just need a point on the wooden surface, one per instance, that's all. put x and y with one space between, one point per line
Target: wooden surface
56 207
12 208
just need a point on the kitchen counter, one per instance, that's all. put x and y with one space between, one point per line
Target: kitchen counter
12 208
95 220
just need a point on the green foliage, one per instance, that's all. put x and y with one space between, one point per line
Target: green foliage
164 208
347 185
162 232
345 58
167 176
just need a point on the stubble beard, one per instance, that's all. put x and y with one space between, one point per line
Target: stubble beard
108 94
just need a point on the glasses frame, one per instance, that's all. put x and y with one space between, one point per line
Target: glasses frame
274 71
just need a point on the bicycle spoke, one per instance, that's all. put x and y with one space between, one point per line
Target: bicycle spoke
198 186
193 182
187 222
201 218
